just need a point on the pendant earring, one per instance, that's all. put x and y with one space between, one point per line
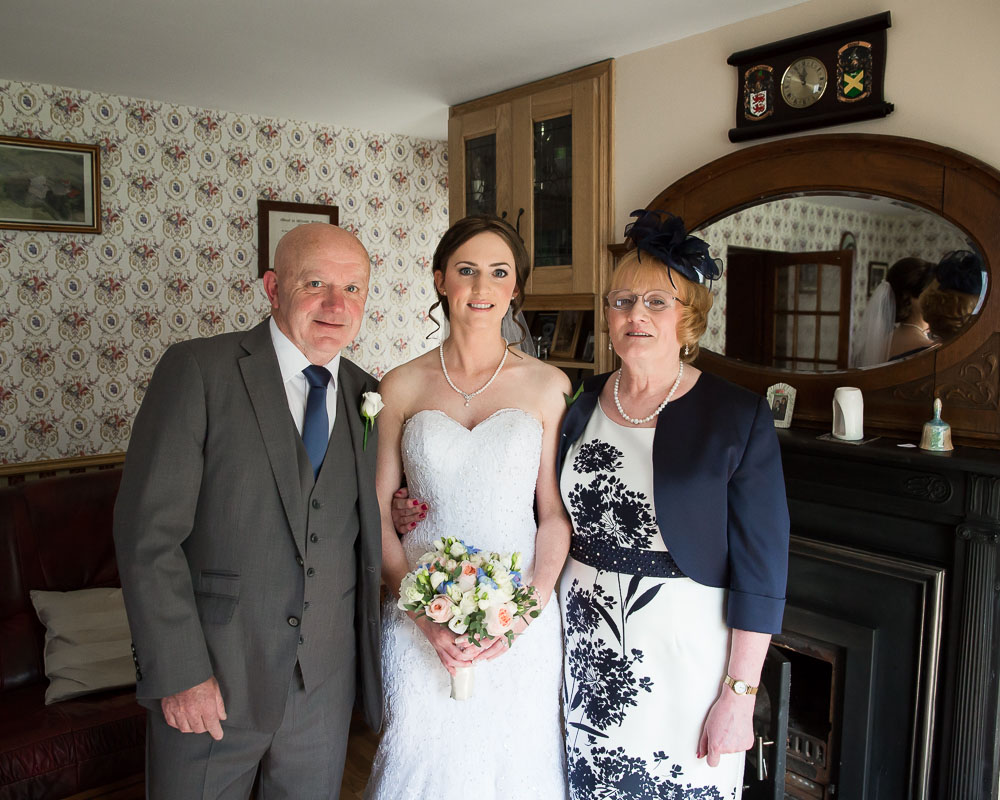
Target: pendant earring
687 350
611 348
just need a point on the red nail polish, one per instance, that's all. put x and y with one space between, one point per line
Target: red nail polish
423 507
413 525
423 516
415 503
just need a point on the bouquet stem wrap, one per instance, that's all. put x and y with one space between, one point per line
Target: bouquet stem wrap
462 683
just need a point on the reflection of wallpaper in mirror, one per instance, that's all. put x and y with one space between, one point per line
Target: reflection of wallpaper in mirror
797 224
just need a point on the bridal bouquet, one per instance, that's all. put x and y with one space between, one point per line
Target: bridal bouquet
470 591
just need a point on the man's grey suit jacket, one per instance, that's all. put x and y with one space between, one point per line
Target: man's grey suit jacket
222 536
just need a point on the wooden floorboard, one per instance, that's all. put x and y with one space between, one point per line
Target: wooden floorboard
360 752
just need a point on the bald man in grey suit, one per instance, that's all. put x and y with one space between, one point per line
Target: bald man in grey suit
250 558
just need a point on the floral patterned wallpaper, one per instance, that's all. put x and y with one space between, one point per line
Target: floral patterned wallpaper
84 318
801 225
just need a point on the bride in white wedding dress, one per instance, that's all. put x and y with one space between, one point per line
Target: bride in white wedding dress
475 425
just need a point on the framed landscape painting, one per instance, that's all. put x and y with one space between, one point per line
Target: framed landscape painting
49 186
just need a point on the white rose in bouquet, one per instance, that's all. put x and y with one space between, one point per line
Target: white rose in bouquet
437 578
409 592
467 604
458 625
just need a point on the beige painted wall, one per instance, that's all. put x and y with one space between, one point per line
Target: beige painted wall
675 103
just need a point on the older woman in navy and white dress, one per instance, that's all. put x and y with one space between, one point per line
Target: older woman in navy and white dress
677 567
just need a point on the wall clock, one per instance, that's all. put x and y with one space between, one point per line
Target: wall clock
827 77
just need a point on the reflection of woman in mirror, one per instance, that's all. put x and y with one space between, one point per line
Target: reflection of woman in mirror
950 300
908 277
893 325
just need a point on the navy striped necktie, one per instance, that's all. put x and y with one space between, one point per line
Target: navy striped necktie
316 423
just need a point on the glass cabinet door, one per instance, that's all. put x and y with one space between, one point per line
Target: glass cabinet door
553 191
480 168
481 175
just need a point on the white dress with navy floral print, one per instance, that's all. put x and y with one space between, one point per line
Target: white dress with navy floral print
644 656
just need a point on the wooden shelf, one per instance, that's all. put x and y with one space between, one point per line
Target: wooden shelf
559 302
565 363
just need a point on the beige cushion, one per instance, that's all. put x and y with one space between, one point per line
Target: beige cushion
88 647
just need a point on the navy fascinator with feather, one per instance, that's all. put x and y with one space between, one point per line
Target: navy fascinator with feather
663 236
961 271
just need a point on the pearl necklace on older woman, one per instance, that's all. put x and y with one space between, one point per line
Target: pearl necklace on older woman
663 405
468 396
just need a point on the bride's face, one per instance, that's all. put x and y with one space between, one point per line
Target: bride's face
478 281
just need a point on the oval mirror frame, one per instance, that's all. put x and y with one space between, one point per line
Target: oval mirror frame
898 397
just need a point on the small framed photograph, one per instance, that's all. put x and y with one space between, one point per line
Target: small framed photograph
877 270
275 218
588 348
50 186
781 399
567 334
543 329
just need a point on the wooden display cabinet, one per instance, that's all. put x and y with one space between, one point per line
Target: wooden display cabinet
540 156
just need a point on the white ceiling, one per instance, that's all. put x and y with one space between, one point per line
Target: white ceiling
391 66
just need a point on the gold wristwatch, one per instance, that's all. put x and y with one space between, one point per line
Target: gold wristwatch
739 687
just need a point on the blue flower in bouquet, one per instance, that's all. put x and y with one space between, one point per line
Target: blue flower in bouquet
515 576
444 586
485 580
472 550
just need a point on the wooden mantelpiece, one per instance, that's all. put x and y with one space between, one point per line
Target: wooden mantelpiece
934 513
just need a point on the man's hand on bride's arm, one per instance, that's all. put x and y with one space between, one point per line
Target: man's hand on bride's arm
406 512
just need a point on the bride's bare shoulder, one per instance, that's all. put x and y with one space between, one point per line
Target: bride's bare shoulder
542 377
405 380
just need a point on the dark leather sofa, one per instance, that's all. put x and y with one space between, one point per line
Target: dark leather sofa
55 535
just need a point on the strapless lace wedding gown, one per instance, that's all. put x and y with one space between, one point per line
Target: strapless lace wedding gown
506 741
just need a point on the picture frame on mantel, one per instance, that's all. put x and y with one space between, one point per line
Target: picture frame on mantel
275 218
49 186
781 400
567 334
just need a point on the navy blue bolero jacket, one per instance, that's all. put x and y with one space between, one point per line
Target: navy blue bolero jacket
719 493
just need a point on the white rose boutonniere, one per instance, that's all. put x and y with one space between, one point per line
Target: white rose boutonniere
371 405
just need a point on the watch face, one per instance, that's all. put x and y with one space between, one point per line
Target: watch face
804 82
740 687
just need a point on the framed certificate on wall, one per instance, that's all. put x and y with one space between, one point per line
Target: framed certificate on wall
275 218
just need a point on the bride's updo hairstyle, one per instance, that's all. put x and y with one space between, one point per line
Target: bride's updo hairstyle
665 257
457 235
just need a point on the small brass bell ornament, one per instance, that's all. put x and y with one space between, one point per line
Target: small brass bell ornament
936 435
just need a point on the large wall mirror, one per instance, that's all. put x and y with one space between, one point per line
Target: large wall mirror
809 227
801 287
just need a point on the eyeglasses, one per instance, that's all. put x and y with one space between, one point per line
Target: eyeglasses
656 300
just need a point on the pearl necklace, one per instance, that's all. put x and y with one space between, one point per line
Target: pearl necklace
482 388
662 405
924 331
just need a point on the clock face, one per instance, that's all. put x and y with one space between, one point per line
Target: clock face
804 82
